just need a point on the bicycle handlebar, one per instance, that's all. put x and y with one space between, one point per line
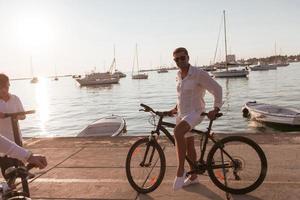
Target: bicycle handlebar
149 109
161 114
14 115
217 116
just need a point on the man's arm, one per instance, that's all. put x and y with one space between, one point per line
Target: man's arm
215 89
13 150
212 87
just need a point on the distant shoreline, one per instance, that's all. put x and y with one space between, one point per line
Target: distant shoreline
28 78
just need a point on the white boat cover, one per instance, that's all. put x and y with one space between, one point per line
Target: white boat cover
107 126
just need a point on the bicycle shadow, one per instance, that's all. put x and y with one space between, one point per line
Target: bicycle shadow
144 197
244 197
204 191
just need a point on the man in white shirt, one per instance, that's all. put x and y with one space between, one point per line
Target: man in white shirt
9 103
192 84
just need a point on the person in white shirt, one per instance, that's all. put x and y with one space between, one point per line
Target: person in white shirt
192 84
9 103
13 150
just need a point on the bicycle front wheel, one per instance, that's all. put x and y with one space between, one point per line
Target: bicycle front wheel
237 165
145 165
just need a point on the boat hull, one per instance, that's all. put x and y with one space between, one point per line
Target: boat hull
272 114
140 76
230 73
85 82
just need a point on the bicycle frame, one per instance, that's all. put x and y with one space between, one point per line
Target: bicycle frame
18 141
200 163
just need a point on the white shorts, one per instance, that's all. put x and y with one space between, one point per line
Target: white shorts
193 119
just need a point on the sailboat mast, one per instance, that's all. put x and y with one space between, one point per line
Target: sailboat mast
31 69
225 41
115 62
137 58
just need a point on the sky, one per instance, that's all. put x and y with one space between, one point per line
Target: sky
77 36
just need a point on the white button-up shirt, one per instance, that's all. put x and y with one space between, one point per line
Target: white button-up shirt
11 106
191 91
11 149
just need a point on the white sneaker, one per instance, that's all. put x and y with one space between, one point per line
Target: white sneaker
179 182
188 182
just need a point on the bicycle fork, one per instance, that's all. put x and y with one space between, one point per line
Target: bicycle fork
144 163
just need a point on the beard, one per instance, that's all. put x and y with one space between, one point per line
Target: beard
182 64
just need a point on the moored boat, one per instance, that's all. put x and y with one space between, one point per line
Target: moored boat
271 113
107 126
98 79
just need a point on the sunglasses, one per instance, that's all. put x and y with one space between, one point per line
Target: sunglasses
181 58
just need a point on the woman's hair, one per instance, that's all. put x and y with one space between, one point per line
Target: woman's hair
3 80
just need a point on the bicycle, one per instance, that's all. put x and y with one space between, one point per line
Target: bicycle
224 163
9 191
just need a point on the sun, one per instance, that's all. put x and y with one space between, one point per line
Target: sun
33 32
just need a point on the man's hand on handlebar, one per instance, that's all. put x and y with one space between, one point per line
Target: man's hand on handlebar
212 115
172 112
2 115
37 160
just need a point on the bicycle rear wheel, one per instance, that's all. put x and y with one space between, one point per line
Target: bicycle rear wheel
237 165
145 165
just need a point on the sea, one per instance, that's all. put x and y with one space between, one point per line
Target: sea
64 108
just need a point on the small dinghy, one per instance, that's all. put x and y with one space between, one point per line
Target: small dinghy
271 113
107 126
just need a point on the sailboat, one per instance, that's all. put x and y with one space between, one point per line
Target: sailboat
55 77
279 62
138 75
113 68
228 73
161 68
34 78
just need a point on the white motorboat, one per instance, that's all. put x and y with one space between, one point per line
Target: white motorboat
140 76
231 73
98 79
271 113
162 70
260 68
107 126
